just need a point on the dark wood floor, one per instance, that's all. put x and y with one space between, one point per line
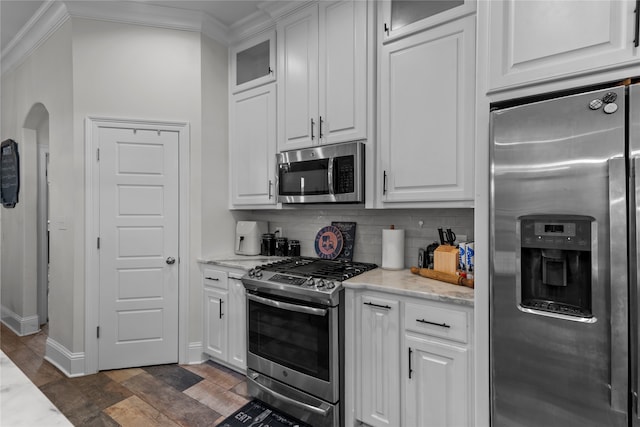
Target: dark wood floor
166 395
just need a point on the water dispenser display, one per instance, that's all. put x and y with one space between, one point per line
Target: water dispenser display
555 264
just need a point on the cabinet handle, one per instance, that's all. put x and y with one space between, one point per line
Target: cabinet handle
221 302
377 305
384 181
212 278
410 369
270 70
270 185
312 125
442 325
321 121
386 29
636 40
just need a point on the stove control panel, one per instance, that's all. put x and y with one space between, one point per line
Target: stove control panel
310 283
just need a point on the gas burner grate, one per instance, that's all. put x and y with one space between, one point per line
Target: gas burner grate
319 268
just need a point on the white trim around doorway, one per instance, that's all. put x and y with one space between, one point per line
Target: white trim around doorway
92 301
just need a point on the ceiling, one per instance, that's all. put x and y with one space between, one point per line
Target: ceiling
14 14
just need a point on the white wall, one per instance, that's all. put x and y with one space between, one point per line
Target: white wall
218 224
138 72
44 77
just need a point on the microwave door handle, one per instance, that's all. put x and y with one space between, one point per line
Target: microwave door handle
330 172
286 306
618 283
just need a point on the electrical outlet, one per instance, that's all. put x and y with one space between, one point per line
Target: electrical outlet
278 231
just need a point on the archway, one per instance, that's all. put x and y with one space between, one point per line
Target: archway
37 124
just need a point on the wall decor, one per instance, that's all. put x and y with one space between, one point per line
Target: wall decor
348 230
9 173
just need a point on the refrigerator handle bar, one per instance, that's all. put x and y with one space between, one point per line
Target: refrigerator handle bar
618 283
634 281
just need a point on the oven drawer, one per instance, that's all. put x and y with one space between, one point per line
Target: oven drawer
215 278
436 321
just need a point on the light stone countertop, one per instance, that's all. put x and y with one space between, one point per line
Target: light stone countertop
22 403
243 262
403 282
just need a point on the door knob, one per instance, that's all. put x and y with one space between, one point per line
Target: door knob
171 260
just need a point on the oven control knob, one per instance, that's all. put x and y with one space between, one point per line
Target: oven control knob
331 285
320 283
252 272
258 274
309 282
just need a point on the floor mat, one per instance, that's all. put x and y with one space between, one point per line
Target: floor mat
258 414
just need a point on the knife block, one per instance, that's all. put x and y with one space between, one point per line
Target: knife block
445 259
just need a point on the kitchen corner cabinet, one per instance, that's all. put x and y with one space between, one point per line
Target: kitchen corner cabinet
252 148
413 362
224 318
322 88
253 62
537 41
427 115
399 18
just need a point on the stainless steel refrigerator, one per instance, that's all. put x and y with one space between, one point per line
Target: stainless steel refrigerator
564 267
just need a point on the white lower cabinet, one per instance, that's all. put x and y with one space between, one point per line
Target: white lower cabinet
413 362
215 324
435 383
225 317
379 358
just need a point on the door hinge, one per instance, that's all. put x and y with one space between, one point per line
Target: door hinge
98 332
97 154
98 242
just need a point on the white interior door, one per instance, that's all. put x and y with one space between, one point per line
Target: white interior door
138 291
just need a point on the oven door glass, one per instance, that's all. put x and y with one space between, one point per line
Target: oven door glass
304 178
295 339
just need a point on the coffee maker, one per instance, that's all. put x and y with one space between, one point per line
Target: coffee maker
555 265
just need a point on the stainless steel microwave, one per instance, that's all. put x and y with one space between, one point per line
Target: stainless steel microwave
323 174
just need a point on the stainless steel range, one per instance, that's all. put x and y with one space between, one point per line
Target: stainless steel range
295 337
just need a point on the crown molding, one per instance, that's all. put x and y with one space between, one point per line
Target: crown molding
52 14
47 19
264 19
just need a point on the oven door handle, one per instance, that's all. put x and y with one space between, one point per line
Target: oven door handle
287 306
316 410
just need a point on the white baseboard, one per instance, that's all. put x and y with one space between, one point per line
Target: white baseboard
194 353
71 364
20 325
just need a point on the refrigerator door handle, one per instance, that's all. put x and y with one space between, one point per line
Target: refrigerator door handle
635 281
618 283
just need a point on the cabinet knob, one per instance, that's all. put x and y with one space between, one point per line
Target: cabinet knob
170 260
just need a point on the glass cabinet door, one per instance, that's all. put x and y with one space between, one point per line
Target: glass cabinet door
402 17
253 62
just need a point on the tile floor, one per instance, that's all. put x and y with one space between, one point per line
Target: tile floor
166 395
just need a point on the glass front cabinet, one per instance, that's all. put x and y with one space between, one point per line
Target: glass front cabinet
253 62
401 18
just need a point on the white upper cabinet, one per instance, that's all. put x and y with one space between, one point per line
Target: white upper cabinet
322 88
400 18
298 87
538 41
252 147
253 62
427 122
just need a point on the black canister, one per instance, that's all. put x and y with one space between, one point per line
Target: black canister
282 244
294 247
268 246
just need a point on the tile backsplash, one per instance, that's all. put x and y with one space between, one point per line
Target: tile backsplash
420 225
